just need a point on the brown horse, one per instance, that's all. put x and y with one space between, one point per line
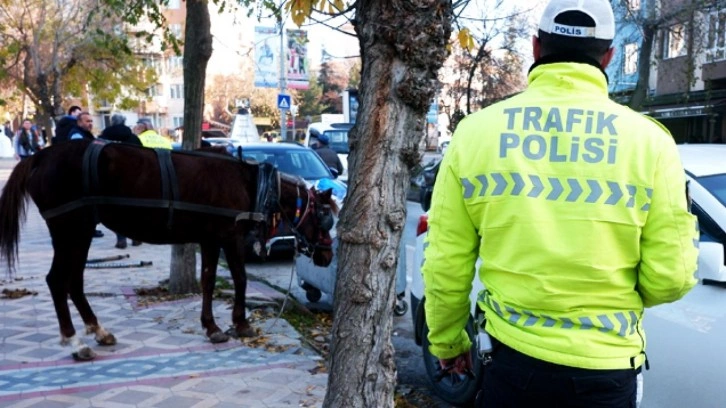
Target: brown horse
159 197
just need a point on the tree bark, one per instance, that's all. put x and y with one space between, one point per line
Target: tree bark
640 93
197 51
398 83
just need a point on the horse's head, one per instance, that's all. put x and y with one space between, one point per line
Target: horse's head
314 227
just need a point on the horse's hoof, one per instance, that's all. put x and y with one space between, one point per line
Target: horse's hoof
107 340
84 354
248 332
231 332
218 337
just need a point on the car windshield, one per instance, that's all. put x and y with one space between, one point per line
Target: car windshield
716 185
338 140
300 162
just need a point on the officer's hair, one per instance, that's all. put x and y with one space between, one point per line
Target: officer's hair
73 109
552 44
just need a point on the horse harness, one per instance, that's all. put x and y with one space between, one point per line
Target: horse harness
267 192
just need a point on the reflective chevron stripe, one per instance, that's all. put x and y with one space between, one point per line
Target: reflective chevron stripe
616 323
566 189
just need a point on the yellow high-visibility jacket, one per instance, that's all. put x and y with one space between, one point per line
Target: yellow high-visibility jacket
152 139
576 206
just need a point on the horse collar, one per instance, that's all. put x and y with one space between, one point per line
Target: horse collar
297 220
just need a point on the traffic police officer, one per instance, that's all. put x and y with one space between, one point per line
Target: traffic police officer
149 137
577 207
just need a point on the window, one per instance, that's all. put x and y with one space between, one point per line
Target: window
178 121
633 5
154 90
630 61
174 62
674 41
176 30
176 91
715 47
174 4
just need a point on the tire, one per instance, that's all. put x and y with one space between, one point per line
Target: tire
313 294
454 389
400 308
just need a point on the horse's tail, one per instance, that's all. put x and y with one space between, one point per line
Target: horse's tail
13 203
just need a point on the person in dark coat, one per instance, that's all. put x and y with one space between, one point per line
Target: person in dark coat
66 123
82 128
321 144
119 132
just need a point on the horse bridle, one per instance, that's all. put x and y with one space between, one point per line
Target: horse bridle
324 217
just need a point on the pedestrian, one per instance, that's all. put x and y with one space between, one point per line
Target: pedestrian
8 130
577 208
149 137
25 142
119 132
82 128
66 123
320 142
79 131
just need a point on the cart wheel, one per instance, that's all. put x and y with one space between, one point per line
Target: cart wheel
313 294
401 308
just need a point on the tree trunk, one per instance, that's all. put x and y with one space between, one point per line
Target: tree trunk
184 263
197 51
640 93
398 83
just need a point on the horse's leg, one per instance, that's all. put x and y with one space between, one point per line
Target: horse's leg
69 258
79 299
235 259
210 258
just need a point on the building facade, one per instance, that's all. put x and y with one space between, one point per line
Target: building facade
687 87
164 103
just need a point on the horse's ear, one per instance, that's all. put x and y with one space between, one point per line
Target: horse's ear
327 198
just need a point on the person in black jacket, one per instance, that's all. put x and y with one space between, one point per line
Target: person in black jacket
66 123
320 143
119 132
82 128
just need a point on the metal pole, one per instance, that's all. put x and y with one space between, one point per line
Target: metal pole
283 84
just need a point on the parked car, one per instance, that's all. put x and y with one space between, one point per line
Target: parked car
292 158
705 168
443 146
228 143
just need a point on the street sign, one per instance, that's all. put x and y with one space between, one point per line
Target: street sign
432 116
283 101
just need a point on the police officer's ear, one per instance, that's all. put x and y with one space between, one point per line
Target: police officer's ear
536 47
605 61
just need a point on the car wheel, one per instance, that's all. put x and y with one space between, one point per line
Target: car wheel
454 389
313 294
400 308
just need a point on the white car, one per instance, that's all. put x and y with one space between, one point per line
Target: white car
705 166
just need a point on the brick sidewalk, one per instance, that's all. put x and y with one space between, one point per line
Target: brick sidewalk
162 358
